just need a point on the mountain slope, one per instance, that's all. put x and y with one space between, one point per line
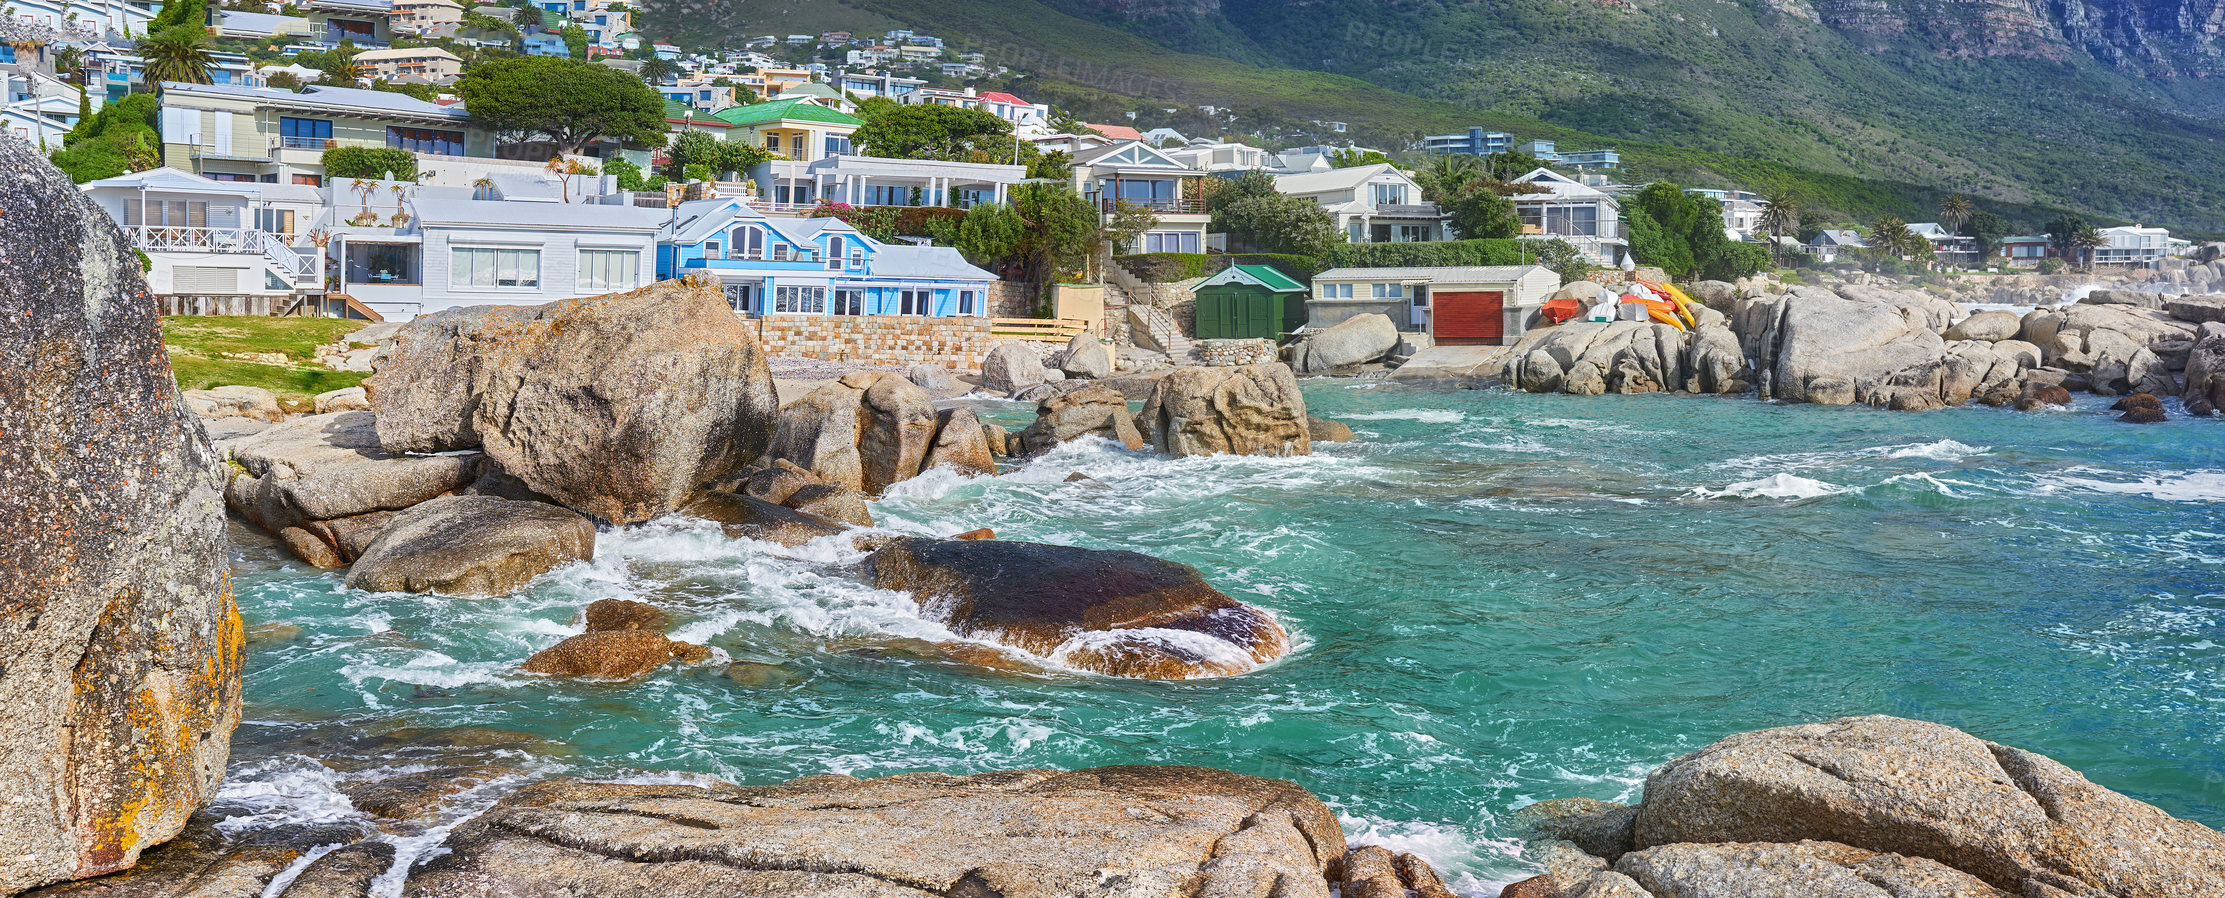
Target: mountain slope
1956 95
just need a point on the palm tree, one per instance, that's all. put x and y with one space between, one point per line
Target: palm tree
1890 236
526 17
1449 176
180 54
655 70
1780 215
2085 241
1954 212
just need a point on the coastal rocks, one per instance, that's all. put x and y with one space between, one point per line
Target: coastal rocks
1093 410
2197 309
319 483
612 655
1881 349
1372 871
1348 344
2205 368
1249 410
865 433
2018 821
1809 869
1323 430
961 444
623 614
348 399
620 406
472 545
234 402
745 517
2038 396
1991 325
790 486
2137 298
121 663
1589 358
1111 612
1130 832
936 380
1086 357
427 389
1010 367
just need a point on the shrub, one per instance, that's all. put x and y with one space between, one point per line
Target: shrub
1164 268
348 163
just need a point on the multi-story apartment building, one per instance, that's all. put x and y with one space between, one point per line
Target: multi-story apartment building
230 133
1474 142
430 63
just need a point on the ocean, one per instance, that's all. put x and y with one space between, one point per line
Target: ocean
1497 598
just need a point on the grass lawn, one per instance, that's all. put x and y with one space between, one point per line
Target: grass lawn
198 345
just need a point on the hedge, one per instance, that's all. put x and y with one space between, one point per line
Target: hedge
1299 268
1449 253
347 163
888 222
1165 268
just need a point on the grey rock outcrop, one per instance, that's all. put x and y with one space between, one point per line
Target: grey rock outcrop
1086 357
1111 832
961 444
345 399
1245 410
2205 367
936 380
1346 345
1093 410
865 433
122 646
752 518
1010 367
621 406
472 545
318 482
235 402
1990 325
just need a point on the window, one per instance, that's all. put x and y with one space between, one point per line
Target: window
800 300
780 252
1171 242
473 267
838 145
772 142
609 269
275 221
426 140
1390 291
309 180
912 302
1336 291
751 241
966 302
834 253
1389 194
795 144
303 133
849 302
737 296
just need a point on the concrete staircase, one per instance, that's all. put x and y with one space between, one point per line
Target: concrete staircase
1153 328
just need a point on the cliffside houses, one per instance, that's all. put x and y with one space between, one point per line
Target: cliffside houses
1137 174
1564 208
232 133
1372 203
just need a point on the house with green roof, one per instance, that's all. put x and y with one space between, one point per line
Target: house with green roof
1250 301
802 130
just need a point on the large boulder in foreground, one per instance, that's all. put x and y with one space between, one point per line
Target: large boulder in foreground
318 483
1348 344
2019 821
472 545
121 657
426 390
1111 832
621 406
1245 410
1096 409
1111 612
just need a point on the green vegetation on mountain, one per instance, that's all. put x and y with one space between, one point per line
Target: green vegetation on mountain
1740 94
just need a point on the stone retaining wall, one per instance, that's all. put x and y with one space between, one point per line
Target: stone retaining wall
955 343
1232 353
1013 299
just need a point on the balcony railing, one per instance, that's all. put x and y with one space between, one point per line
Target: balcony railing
243 241
304 143
1154 205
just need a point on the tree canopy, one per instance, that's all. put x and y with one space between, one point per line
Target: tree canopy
1258 218
1352 158
1682 233
571 103
121 137
929 131
180 54
693 148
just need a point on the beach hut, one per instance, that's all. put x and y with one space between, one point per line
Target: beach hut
1250 301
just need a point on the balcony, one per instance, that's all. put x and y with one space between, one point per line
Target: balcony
1408 210
305 143
1177 207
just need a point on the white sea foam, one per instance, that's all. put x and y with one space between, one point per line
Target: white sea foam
1470 864
293 790
2191 486
1213 650
1775 486
429 668
1423 415
1941 450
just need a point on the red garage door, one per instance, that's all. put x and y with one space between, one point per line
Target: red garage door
1468 319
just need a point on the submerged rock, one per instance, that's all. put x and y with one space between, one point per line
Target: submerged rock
1111 612
611 655
472 545
624 614
744 517
1111 832
1245 410
121 659
1323 430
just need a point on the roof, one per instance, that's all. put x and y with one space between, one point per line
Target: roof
409 53
1558 186
257 21
1133 153
1002 97
811 89
1266 276
573 216
1116 132
1474 274
798 109
905 261
695 220
676 111
1333 179
353 98
167 178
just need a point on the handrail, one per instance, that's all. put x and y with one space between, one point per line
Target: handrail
1041 329
251 241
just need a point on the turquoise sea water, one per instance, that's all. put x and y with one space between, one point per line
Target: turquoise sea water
1499 598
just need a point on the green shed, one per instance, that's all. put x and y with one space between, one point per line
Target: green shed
1250 301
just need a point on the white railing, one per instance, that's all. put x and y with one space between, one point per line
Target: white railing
244 241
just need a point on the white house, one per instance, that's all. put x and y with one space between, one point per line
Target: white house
1135 173
444 251
87 18
877 181
1028 119
2133 246
1215 157
1372 203
214 238
1586 217
1948 246
1455 306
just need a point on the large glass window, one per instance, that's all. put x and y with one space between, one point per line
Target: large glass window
476 267
304 133
1171 242
426 140
609 269
849 302
1389 194
800 300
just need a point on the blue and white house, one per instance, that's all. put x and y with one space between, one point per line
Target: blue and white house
815 266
